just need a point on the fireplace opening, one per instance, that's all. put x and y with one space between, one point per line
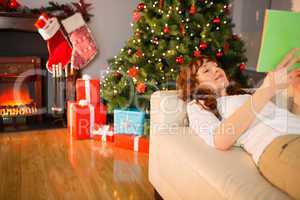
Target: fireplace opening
20 90
17 100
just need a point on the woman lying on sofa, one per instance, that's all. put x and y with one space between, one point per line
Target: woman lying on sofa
224 116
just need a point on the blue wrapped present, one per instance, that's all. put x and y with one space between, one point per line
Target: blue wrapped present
130 121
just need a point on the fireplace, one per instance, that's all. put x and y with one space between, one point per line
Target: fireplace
20 87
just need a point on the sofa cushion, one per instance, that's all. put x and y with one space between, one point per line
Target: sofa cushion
168 109
232 173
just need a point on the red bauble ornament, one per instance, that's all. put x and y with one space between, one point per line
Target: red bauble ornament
139 53
136 16
226 47
217 20
1 2
219 54
203 45
141 88
13 4
166 30
182 29
242 67
197 53
193 10
117 75
180 60
141 6
133 71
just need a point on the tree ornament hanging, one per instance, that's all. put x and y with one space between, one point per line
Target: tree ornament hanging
180 60
141 6
242 67
217 20
197 53
182 29
203 45
193 9
117 75
139 53
226 47
136 16
141 88
133 72
166 30
219 54
161 4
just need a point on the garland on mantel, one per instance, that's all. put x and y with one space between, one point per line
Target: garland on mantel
53 8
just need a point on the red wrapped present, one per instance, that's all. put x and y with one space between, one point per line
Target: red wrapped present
89 89
81 120
100 112
103 133
132 142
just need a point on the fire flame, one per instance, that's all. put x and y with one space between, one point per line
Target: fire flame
11 96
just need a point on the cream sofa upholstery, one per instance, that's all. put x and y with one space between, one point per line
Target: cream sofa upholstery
182 166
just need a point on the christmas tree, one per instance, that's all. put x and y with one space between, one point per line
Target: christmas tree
166 35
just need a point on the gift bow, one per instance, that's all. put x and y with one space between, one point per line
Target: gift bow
104 132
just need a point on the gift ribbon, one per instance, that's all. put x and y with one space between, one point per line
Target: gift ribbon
136 143
87 87
92 115
103 132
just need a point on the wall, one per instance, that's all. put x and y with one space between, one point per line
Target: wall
110 26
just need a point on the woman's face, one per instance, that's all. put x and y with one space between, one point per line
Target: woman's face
211 76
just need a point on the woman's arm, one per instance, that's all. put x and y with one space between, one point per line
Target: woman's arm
235 125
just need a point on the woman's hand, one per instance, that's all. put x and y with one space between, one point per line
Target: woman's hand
280 78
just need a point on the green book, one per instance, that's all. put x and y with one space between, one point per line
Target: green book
281 33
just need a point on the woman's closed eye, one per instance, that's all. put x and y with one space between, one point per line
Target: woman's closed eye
205 70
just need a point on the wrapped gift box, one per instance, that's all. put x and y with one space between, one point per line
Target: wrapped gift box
100 112
103 133
81 120
88 89
129 122
132 142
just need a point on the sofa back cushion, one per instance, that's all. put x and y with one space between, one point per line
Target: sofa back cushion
167 110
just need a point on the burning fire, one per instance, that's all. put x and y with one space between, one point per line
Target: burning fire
11 96
16 102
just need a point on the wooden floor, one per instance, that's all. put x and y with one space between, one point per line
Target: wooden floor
48 165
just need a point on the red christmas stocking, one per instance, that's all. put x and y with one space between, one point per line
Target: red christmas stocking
59 48
84 46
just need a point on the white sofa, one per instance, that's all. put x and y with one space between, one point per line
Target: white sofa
182 166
